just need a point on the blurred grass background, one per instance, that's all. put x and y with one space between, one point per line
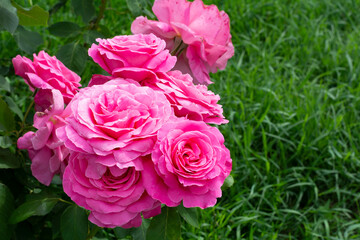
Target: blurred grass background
292 95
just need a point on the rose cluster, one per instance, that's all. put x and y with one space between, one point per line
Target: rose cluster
138 137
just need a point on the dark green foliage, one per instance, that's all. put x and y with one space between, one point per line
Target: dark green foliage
8 18
74 223
137 233
8 159
190 215
6 208
28 41
84 8
64 29
165 226
7 122
74 56
36 205
34 16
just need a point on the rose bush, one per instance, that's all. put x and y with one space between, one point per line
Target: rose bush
47 72
198 34
189 163
129 142
117 121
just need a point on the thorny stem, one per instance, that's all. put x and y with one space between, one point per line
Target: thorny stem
101 14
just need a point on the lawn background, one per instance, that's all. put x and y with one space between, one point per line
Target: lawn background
292 96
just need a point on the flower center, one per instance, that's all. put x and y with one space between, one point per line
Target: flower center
114 179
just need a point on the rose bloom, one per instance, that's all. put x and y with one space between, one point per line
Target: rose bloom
115 196
140 51
47 72
189 164
194 102
47 153
198 34
117 121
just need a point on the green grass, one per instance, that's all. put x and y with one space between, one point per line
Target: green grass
292 95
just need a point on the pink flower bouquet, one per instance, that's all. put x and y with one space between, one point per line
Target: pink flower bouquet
140 137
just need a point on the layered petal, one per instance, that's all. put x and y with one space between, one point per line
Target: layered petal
204 33
47 72
115 196
189 163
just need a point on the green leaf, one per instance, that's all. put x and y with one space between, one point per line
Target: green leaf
8 18
74 223
84 8
4 84
8 159
229 181
137 233
122 232
35 16
138 7
7 122
33 207
165 226
4 70
104 30
6 208
5 142
12 105
140 232
27 41
91 36
135 6
64 29
189 215
74 56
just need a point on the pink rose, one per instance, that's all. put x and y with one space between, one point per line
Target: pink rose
198 34
46 72
189 164
141 51
47 153
117 121
194 102
115 196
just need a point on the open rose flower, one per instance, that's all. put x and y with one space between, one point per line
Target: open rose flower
140 51
47 153
47 72
198 34
117 121
194 102
115 196
189 164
